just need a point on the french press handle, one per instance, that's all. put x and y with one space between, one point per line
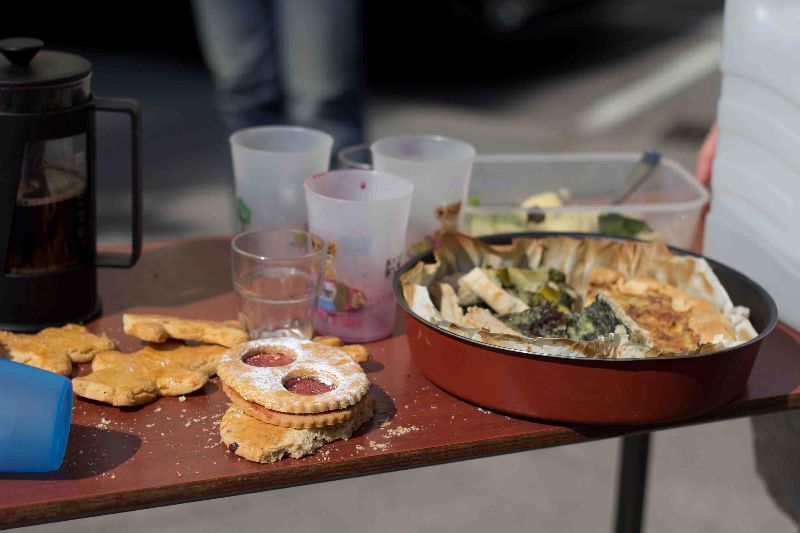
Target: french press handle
130 108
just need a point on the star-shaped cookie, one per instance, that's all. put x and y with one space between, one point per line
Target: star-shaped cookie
169 369
54 349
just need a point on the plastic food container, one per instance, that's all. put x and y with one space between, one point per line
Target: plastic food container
670 201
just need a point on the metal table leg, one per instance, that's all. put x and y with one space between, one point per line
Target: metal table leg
632 483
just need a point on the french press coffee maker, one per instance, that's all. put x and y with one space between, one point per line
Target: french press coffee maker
48 258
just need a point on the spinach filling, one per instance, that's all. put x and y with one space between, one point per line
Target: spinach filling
555 309
597 320
546 320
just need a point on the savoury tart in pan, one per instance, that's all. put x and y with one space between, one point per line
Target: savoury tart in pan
636 371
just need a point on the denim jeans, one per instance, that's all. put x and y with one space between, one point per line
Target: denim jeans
286 62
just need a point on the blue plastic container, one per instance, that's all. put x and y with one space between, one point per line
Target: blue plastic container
35 414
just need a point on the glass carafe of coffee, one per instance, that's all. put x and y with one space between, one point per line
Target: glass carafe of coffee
47 187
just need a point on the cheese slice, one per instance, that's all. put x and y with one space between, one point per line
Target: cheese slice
449 307
495 297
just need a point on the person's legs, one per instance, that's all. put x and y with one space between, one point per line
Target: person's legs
776 443
239 45
321 59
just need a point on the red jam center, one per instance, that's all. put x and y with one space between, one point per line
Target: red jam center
268 359
306 386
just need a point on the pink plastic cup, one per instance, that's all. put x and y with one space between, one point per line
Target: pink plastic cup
362 215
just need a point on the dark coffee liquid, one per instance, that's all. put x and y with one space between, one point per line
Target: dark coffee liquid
51 233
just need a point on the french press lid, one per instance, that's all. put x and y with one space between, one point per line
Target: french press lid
33 80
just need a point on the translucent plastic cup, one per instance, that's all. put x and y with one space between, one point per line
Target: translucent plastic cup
269 166
34 418
277 275
362 215
439 168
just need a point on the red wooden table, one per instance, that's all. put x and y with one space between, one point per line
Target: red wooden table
169 451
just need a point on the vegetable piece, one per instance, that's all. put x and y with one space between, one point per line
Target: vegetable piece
498 276
550 292
561 296
570 298
502 275
532 299
556 276
618 225
528 279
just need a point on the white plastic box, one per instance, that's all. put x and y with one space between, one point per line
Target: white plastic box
670 201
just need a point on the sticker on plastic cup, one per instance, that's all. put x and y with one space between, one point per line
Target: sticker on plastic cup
245 215
337 295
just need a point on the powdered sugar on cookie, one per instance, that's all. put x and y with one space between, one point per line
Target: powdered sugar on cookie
265 385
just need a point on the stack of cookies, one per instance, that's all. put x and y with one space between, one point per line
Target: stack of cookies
290 397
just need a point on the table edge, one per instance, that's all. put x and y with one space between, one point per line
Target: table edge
83 507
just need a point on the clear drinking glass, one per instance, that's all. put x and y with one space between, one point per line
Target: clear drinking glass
269 166
362 215
439 168
277 275
355 156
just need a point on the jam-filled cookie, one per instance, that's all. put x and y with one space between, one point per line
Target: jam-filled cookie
292 376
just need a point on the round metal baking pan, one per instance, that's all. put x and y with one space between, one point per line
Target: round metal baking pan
582 390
